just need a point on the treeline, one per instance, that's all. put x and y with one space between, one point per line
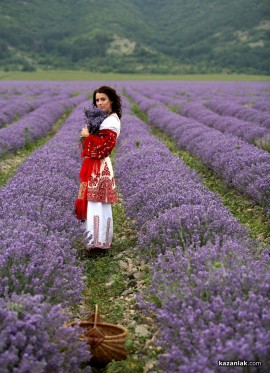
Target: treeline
179 37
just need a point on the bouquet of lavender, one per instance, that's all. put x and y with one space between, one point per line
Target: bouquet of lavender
94 117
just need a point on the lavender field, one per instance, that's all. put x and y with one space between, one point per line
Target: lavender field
208 290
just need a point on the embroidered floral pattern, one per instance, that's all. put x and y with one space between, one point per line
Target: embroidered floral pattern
101 146
101 187
97 181
96 239
106 171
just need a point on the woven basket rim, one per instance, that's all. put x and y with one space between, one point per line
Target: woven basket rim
104 347
115 326
81 323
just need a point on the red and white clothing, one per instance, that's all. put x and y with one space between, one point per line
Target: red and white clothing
97 188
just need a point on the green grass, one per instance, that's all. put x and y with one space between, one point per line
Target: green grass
263 144
103 270
87 75
248 213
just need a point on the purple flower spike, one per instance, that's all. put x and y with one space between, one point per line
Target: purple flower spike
34 339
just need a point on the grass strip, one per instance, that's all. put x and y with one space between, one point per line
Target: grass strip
65 75
114 290
241 207
104 279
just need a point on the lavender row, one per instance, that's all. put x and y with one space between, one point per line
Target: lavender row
165 185
211 305
176 93
29 92
8 93
37 221
14 109
203 265
15 89
243 93
38 231
239 164
35 125
241 112
34 338
246 131
262 106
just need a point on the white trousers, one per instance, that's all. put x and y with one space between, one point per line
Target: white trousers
99 225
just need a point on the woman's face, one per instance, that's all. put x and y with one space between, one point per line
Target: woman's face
103 102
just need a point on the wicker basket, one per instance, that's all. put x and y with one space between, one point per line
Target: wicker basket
106 341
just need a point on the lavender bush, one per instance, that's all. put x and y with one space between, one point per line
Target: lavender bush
171 207
16 104
16 109
263 106
227 156
38 231
38 227
34 260
210 282
212 304
189 226
35 125
246 131
238 111
34 339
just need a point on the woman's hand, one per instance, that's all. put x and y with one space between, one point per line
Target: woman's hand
84 132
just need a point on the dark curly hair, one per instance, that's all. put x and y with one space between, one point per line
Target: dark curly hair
113 96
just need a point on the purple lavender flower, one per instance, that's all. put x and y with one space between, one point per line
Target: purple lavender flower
210 283
226 155
37 233
250 132
33 338
238 111
37 225
94 117
35 125
211 304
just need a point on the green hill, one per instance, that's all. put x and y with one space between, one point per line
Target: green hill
150 36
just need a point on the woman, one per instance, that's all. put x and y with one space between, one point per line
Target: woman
97 188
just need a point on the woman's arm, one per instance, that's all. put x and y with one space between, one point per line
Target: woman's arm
99 146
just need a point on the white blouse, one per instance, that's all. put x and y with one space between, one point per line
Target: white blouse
112 122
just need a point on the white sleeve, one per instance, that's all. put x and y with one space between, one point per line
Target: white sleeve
112 123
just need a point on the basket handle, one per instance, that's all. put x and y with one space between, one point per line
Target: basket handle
96 315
